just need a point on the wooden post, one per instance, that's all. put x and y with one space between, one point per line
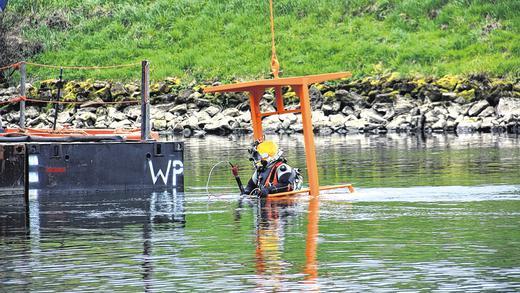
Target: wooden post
22 94
256 119
308 136
145 100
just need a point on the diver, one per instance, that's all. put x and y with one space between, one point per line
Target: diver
272 173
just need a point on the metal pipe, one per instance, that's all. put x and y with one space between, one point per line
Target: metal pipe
22 94
58 96
145 100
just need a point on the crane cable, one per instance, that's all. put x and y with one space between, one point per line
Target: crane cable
275 65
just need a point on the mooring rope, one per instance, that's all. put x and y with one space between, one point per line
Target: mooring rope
14 65
76 102
22 98
14 100
17 65
82 67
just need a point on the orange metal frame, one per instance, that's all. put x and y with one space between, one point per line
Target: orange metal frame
300 85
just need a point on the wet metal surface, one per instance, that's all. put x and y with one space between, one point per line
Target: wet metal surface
12 166
454 229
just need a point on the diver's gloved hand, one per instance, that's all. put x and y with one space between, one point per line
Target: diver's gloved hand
264 191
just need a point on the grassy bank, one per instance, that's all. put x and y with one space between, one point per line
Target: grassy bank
231 38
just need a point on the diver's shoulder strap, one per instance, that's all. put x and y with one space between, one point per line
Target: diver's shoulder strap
273 174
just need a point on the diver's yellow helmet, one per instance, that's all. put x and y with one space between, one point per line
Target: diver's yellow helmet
267 150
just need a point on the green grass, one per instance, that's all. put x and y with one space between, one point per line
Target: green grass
226 39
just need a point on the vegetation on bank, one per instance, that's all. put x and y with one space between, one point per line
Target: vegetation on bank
226 39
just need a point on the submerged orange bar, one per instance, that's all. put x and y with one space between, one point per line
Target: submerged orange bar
307 190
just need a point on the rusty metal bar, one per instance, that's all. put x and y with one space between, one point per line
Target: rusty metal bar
145 100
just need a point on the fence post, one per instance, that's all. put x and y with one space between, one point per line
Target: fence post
145 100
22 94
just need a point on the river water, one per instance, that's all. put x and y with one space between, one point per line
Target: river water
438 213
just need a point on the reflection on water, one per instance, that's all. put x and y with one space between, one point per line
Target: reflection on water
103 210
395 236
270 266
84 224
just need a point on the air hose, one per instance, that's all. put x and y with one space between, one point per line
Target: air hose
234 171
211 172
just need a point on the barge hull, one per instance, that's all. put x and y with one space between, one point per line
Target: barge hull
91 166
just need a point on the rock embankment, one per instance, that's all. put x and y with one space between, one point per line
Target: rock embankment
371 105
